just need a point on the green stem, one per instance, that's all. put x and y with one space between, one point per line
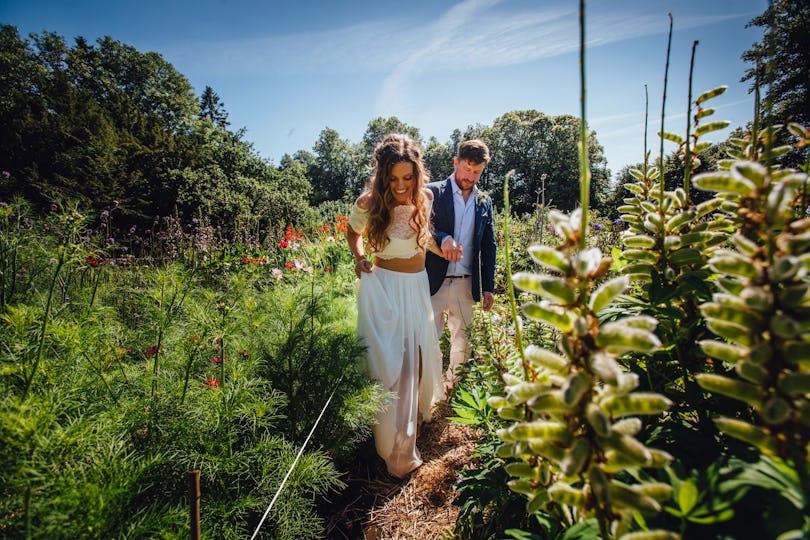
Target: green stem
687 163
101 376
584 169
44 327
508 264
663 109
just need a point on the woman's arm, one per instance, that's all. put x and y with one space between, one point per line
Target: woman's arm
355 240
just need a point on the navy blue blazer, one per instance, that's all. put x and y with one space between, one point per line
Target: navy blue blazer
443 219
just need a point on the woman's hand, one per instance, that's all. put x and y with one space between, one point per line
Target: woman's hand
362 265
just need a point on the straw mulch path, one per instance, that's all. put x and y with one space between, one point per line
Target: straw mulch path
376 506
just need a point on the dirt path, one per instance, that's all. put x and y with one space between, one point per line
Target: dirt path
376 506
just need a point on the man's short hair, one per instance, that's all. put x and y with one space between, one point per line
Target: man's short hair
474 151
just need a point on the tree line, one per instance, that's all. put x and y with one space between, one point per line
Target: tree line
97 122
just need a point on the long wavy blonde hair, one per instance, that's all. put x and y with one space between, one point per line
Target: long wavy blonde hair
396 148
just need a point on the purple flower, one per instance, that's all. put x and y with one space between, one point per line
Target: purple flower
618 221
132 230
54 207
6 174
597 227
53 261
105 214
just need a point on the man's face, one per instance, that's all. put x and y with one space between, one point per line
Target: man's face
467 173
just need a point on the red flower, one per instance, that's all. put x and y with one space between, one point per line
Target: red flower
329 268
289 266
245 260
283 244
216 360
212 383
94 260
150 351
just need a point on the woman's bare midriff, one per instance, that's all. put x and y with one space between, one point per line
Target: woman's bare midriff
410 266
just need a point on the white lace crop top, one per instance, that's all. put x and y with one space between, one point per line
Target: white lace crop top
401 235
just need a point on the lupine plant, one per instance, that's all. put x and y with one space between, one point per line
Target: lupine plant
575 410
761 307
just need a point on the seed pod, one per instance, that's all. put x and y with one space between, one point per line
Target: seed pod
577 385
794 384
757 298
741 390
752 372
645 322
631 447
628 426
657 490
751 171
638 241
732 332
522 470
550 258
660 458
505 450
549 401
624 496
686 257
576 457
784 326
526 391
655 534
724 182
640 255
564 494
524 487
745 318
496 402
547 449
545 472
581 326
635 404
680 219
540 429
734 264
744 431
722 351
511 413
618 338
745 245
551 288
652 222
539 357
731 285
775 411
554 315
607 292
600 484
605 367
707 207
638 270
794 296
785 267
597 420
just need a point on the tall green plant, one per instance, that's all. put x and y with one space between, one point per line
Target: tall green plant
761 307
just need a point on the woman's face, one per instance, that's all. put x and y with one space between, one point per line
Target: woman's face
402 181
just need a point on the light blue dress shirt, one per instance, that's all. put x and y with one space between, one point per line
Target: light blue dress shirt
463 230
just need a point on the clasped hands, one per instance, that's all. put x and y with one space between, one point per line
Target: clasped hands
451 250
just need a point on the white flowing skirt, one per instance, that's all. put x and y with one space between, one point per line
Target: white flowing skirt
395 320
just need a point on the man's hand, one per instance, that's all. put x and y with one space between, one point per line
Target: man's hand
451 250
487 301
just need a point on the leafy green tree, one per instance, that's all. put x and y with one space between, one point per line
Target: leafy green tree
782 60
212 107
439 158
380 126
334 173
542 151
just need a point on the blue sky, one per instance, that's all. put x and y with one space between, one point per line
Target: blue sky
288 69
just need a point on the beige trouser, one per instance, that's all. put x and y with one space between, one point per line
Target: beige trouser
454 298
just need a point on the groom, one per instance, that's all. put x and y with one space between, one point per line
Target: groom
463 225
